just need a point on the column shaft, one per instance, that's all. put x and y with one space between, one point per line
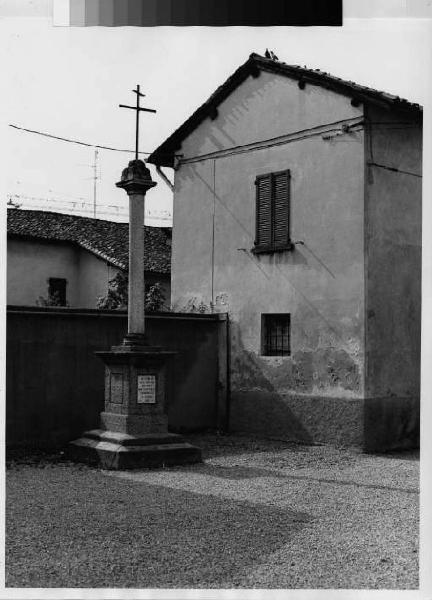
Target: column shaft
136 264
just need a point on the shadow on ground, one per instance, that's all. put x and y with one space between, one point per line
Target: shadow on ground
78 528
214 445
238 473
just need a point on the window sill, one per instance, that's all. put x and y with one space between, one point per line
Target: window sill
271 250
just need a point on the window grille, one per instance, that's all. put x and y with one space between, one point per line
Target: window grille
276 334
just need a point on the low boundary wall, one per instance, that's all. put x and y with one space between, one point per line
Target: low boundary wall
55 383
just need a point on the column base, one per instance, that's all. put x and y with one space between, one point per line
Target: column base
120 451
136 342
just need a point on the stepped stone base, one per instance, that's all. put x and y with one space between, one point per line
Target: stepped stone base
121 451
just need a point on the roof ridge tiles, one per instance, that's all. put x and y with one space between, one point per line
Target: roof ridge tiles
106 239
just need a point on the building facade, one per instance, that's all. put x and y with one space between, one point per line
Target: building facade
297 210
75 258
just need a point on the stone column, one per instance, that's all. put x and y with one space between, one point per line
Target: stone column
136 180
134 425
136 311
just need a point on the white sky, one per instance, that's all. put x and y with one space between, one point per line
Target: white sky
68 81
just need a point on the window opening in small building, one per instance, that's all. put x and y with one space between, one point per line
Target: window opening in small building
57 290
275 330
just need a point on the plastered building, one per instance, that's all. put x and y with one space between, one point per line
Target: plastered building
297 210
75 257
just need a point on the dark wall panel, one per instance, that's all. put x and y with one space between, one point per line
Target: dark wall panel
55 381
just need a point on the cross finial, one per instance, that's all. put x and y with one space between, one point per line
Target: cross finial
138 109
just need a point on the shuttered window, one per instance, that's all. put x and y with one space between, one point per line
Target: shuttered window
272 212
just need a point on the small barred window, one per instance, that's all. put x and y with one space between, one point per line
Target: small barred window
276 334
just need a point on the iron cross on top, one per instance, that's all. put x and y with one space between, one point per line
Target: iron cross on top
137 108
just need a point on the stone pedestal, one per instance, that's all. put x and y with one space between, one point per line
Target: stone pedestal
134 427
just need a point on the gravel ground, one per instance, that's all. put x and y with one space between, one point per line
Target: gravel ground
255 514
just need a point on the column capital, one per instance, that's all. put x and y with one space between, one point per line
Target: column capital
136 178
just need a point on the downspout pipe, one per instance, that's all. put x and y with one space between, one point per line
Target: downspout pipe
164 177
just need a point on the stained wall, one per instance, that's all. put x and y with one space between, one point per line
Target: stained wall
316 392
393 235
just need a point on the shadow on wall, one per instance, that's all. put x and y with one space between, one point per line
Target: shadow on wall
231 120
391 424
282 402
256 405
293 258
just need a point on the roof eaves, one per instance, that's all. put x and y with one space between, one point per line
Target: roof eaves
164 154
79 234
59 240
100 254
341 86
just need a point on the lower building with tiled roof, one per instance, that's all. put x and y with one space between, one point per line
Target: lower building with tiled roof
79 254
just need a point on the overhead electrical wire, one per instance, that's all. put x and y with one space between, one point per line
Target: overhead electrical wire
56 137
63 139
88 145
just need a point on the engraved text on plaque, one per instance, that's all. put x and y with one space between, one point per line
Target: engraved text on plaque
146 389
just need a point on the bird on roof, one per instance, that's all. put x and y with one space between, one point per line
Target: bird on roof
270 54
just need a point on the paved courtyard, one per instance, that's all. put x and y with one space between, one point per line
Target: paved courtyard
255 514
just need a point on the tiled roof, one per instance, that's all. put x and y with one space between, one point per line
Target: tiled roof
106 239
164 154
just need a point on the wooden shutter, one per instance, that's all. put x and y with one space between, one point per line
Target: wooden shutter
281 208
264 211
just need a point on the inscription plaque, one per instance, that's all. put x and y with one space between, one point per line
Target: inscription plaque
146 389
